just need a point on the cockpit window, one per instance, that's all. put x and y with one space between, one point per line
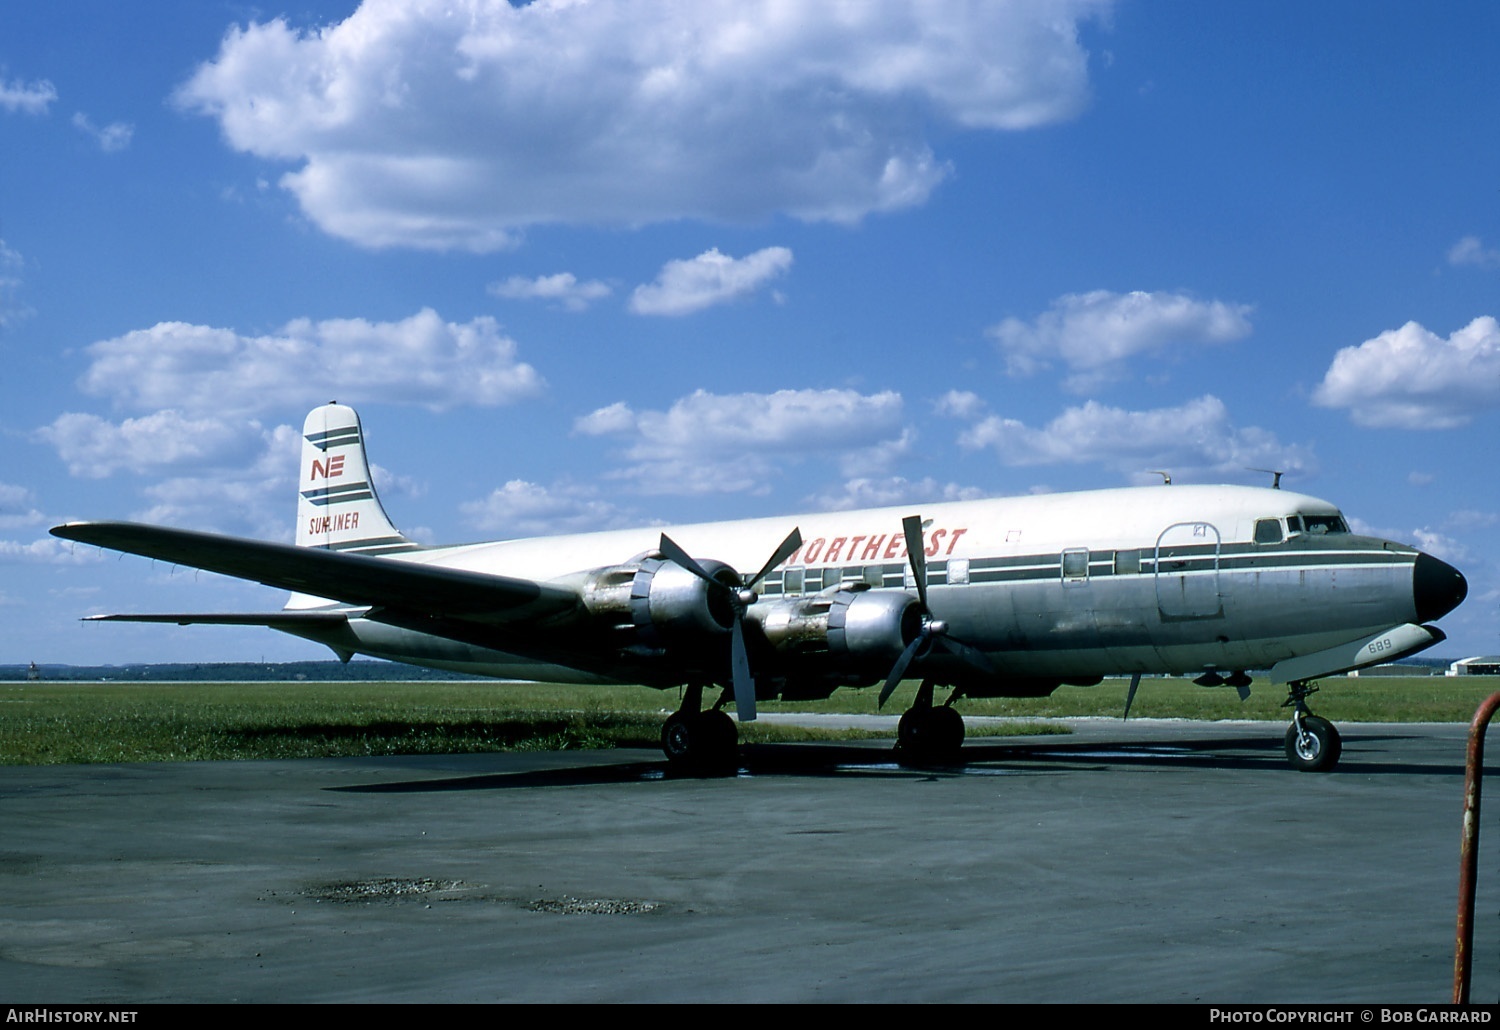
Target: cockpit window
1317 525
1268 531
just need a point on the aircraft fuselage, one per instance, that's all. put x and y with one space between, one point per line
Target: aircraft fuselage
1053 588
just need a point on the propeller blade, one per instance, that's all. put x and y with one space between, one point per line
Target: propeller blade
916 552
970 654
677 554
899 670
744 683
788 546
1135 681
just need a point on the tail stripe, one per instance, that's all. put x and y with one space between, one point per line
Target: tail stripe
334 437
335 494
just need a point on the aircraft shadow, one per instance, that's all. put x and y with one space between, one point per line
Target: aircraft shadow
1039 756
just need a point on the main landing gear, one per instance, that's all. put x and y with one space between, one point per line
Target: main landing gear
927 733
1312 744
699 742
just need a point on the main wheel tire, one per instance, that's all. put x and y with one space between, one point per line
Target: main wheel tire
721 738
946 732
678 739
1317 748
906 730
930 734
700 742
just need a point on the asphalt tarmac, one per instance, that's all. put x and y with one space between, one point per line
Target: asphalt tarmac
1143 862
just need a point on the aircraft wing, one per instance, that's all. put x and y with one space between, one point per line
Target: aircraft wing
275 620
351 578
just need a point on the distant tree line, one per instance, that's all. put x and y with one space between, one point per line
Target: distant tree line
232 671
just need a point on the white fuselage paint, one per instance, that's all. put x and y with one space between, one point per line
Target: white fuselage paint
1076 585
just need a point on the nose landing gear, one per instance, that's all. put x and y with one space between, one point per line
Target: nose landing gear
1312 744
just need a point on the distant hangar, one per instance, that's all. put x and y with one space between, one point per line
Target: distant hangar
1483 665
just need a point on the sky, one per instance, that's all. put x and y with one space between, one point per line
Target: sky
590 265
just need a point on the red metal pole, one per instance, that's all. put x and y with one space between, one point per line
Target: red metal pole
1468 852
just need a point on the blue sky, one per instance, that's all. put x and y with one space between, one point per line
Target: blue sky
588 265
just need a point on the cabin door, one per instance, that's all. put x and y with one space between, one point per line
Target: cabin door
1187 571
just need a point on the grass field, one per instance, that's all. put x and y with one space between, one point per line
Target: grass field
42 723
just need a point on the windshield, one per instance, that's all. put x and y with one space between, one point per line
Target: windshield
1317 525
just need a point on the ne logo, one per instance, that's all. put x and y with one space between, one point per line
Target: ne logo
334 466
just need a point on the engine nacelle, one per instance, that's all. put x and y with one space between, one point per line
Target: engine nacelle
650 603
863 624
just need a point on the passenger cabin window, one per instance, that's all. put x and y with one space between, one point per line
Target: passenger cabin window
1127 563
791 581
958 571
1075 564
1268 531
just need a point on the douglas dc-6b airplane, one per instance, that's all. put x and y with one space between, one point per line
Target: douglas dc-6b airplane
1010 597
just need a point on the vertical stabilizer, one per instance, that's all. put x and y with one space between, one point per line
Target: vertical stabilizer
337 507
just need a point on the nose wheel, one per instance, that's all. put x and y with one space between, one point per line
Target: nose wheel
1312 743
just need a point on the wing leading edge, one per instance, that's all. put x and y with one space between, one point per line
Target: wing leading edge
350 578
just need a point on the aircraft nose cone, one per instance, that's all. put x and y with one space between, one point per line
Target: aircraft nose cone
1437 588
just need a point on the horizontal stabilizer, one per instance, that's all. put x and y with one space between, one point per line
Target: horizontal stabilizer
351 578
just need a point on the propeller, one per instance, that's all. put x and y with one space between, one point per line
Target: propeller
1135 683
932 631
739 598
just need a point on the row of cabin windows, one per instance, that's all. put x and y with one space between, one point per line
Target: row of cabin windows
954 572
1075 560
799 581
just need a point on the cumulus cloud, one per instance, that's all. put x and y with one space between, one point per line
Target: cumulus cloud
440 124
1434 542
27 97
419 360
95 448
112 137
682 287
865 492
1192 440
1469 251
959 404
225 476
563 288
48 550
1095 333
712 443
1411 378
522 509
17 507
11 308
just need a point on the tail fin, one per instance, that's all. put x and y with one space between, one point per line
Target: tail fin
336 504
